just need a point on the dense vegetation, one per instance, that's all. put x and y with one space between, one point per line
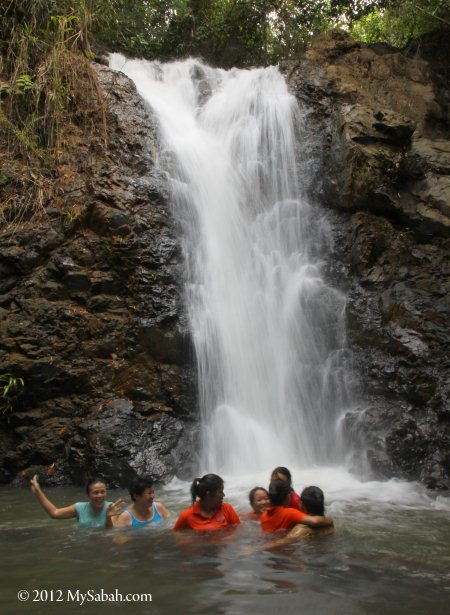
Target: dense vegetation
46 47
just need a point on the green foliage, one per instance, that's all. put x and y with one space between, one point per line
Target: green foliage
249 32
47 86
38 43
9 385
223 32
397 23
23 84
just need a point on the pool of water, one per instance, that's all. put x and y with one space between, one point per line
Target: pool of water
390 554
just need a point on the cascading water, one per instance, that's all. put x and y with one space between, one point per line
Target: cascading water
268 331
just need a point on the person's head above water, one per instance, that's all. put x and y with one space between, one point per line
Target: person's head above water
92 483
96 492
313 501
140 485
259 499
279 492
209 489
281 473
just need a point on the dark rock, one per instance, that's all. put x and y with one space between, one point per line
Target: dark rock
382 167
91 310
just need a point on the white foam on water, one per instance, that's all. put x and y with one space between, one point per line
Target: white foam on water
340 487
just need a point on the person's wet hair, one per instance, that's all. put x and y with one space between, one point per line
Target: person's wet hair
313 500
207 484
93 481
281 471
139 485
251 495
279 491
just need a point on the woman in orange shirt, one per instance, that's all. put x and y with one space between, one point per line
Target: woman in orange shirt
209 512
282 473
281 517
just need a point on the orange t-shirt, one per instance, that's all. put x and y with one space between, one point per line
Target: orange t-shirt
280 518
193 518
295 500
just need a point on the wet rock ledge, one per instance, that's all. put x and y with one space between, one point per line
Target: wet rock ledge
382 125
91 313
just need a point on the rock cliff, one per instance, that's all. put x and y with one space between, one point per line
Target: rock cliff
91 306
381 123
91 312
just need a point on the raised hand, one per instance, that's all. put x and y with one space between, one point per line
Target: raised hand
115 508
34 484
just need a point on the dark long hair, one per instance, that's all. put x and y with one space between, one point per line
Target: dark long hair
278 491
313 500
284 472
207 484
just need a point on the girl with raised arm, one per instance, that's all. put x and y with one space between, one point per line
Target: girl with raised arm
97 512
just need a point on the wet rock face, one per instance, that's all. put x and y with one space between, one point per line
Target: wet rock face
382 125
92 316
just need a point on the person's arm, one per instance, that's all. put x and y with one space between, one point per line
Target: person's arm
165 514
68 512
232 516
298 532
181 523
114 510
123 520
317 521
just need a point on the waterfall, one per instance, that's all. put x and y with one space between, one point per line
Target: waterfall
268 331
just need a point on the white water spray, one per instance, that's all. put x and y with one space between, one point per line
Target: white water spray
268 331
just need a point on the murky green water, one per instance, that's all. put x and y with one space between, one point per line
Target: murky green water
384 558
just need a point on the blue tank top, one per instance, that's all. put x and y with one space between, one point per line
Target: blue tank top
87 517
136 523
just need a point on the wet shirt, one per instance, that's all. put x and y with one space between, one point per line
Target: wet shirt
295 501
87 517
280 518
194 519
156 518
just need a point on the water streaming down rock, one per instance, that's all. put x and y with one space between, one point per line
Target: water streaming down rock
268 331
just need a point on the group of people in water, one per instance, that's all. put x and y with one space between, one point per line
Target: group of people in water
278 508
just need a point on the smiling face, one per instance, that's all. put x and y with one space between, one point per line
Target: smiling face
260 501
97 495
146 498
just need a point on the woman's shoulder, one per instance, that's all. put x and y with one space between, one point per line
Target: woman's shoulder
230 513
227 506
187 512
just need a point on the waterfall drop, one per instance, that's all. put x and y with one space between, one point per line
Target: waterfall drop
268 331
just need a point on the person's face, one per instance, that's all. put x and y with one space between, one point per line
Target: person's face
97 495
147 497
260 501
215 498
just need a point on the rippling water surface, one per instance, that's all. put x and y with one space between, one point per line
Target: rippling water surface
390 554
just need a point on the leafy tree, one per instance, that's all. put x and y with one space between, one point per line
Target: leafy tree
396 23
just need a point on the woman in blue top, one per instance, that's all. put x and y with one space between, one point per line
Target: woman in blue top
144 509
97 512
